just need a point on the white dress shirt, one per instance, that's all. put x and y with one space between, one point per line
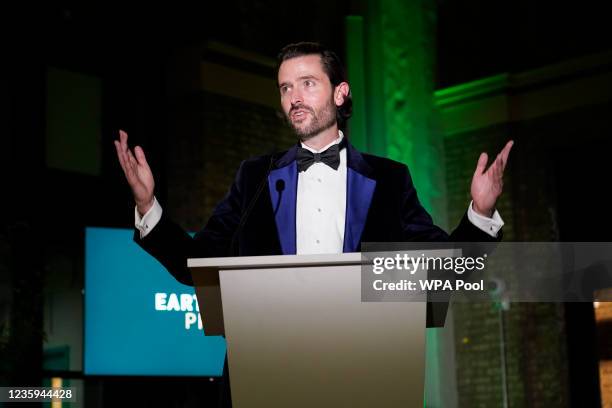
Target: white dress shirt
321 209
321 206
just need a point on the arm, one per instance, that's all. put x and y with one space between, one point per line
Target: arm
172 246
164 239
417 224
486 187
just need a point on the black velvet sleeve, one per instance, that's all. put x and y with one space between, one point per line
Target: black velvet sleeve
171 245
418 225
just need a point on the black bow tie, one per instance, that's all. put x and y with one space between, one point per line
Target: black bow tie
306 158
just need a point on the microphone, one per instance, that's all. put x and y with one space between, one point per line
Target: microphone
247 212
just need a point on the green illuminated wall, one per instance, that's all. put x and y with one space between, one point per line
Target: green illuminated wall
390 55
390 58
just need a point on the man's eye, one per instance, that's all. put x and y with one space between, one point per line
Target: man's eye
284 89
308 83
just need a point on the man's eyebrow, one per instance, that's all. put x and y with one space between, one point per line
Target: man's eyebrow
308 77
300 78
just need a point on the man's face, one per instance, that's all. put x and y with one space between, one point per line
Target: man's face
306 95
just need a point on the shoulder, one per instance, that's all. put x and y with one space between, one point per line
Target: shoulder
254 168
384 170
379 162
263 162
384 167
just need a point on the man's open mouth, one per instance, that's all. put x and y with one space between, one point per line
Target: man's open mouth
299 114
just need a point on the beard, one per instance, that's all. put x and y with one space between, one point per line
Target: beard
320 120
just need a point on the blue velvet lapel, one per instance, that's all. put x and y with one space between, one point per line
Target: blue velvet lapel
359 191
284 201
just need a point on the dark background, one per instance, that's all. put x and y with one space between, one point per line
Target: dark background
557 188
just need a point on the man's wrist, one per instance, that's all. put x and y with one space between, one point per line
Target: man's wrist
143 209
485 213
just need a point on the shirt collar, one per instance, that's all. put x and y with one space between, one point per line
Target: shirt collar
338 140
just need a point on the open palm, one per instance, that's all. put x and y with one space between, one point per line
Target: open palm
137 172
487 185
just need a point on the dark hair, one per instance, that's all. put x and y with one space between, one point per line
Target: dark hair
332 67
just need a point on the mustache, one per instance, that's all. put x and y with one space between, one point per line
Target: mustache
302 107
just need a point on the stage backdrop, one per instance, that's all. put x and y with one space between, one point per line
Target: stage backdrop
138 319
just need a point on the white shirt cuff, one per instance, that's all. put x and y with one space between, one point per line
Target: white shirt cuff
489 225
149 220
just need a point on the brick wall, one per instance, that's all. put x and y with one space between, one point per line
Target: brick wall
535 345
211 135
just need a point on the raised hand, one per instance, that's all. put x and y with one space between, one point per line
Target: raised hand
137 173
487 185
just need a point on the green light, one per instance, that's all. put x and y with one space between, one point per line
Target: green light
390 54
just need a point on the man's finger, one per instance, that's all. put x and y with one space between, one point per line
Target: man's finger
506 152
128 170
125 154
140 156
482 163
118 149
123 137
120 155
132 159
498 169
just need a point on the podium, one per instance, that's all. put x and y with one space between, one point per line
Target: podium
298 334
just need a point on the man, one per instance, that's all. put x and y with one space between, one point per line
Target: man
320 196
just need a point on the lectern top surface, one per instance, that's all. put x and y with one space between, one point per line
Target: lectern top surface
245 262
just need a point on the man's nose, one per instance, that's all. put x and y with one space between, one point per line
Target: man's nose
296 97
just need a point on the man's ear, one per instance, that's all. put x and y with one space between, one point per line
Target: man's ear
341 92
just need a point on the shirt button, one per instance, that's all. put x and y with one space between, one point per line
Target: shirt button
318 241
319 180
319 210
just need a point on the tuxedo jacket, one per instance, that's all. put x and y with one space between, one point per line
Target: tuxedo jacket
258 214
